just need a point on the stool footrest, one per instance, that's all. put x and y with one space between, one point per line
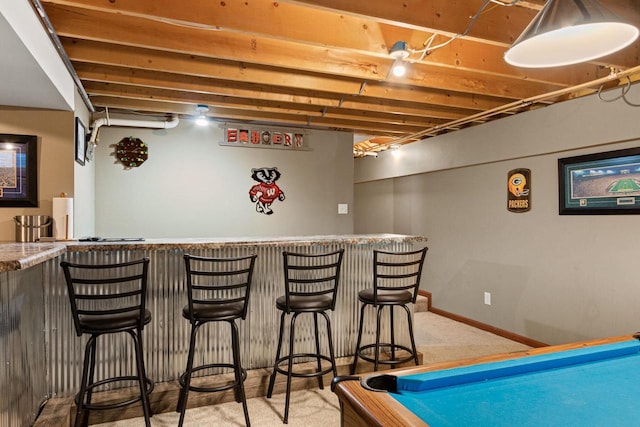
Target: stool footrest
395 347
103 406
285 359
228 386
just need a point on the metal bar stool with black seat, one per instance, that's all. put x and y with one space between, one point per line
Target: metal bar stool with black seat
218 290
109 299
311 286
396 281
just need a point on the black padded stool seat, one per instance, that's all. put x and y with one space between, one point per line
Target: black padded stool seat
109 299
368 296
305 303
396 280
214 313
218 290
311 286
112 322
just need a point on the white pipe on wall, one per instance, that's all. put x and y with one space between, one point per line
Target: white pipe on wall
106 121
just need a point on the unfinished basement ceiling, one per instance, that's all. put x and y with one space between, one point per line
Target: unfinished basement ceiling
321 63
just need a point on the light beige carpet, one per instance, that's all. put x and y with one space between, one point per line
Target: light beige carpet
438 338
442 339
308 408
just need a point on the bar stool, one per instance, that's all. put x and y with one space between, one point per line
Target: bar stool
109 299
218 290
396 280
311 285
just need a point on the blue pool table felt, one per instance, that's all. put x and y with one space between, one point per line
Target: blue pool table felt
595 386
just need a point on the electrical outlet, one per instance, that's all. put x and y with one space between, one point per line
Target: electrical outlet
487 298
343 208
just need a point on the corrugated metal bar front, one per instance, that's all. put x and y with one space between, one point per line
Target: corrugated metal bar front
23 381
166 338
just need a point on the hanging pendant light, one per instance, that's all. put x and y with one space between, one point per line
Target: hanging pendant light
569 32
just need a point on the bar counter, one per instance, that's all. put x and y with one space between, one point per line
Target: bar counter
45 356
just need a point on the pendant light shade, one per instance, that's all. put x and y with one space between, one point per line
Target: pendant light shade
568 32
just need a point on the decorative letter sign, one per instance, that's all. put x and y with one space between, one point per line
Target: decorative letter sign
240 136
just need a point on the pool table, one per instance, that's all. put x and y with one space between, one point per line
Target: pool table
589 383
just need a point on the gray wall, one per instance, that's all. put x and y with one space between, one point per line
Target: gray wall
552 278
192 187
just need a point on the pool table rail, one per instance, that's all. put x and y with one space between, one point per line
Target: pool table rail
362 408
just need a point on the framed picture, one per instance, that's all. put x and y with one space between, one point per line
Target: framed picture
81 141
600 184
18 170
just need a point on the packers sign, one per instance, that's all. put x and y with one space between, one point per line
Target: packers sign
519 190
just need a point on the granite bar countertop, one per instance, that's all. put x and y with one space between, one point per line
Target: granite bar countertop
18 256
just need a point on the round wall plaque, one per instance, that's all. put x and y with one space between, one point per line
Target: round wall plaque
132 152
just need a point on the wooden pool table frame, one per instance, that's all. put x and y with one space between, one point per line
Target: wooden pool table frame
360 407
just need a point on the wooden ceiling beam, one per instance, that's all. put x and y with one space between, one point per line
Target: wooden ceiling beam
304 16
220 114
83 51
258 18
165 80
214 101
404 108
252 91
499 24
437 14
431 96
482 58
130 31
308 25
127 30
186 110
158 60
128 91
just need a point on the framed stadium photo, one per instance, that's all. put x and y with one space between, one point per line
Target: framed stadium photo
600 184
18 171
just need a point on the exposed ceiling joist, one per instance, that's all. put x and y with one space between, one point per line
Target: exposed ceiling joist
318 63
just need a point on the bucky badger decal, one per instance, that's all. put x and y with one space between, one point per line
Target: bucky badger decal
266 191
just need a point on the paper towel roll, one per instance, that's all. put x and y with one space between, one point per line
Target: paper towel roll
63 218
